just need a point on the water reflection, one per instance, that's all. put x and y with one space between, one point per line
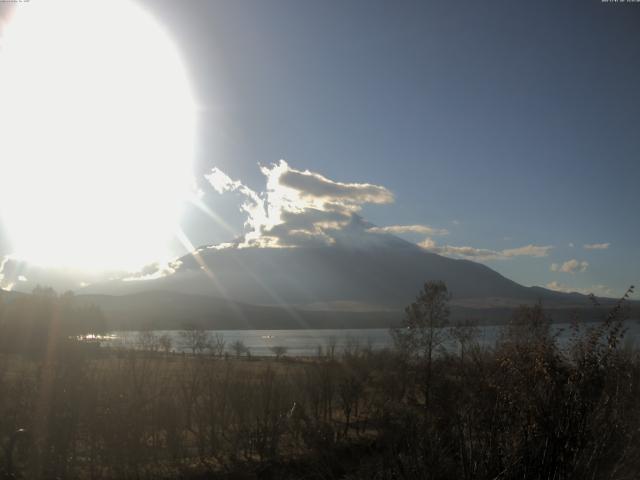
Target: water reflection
306 343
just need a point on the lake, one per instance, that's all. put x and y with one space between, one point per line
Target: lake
304 343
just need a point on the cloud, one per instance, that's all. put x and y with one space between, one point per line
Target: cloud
601 290
314 185
152 271
8 272
305 208
596 246
471 253
484 254
221 182
526 251
253 205
298 207
570 266
429 244
18 274
3 263
421 229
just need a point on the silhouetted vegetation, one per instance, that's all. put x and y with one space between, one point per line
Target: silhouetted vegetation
279 351
526 408
39 322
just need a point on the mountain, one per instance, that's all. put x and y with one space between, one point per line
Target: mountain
163 310
378 272
361 280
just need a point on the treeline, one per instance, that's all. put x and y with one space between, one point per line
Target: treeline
526 408
34 323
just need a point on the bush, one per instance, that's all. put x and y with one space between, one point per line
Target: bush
528 408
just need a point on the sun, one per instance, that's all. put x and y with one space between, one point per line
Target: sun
97 124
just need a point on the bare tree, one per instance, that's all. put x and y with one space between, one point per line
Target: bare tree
464 332
331 343
279 351
197 340
217 344
238 347
166 342
148 341
422 331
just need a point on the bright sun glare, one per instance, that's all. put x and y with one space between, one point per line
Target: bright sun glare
96 134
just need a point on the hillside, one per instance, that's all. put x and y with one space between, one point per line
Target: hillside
376 272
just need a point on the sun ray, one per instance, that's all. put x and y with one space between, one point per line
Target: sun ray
278 300
182 237
198 203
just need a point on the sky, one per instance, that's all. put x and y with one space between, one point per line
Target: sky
510 128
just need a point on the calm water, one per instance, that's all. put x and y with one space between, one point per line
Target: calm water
306 342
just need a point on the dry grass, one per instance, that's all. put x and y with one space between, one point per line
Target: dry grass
524 409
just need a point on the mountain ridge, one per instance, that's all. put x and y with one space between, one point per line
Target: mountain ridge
361 280
360 271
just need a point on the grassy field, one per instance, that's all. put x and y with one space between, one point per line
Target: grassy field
525 408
